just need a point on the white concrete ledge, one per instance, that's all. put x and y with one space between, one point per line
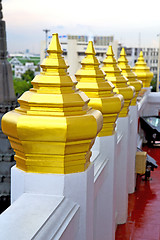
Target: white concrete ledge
119 136
154 97
143 100
39 217
99 162
99 165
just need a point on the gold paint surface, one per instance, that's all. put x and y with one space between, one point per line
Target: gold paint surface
54 129
113 74
130 75
91 80
143 71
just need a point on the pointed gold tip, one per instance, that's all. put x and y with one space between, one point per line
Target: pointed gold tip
123 53
90 48
110 51
141 54
54 45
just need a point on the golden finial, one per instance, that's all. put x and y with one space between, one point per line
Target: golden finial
143 71
90 49
113 74
141 54
127 72
54 46
53 129
91 80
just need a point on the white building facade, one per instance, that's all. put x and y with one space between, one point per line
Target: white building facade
150 56
21 63
21 69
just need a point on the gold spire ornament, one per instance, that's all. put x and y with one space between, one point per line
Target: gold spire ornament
128 73
143 71
91 80
113 74
53 130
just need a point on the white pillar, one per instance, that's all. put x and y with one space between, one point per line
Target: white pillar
79 187
132 147
104 194
72 57
121 170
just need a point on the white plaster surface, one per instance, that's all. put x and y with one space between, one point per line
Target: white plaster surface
39 217
79 187
104 190
79 206
121 170
142 103
132 146
152 106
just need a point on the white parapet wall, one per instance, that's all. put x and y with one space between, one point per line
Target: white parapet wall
148 106
39 216
104 188
132 147
79 206
153 104
79 187
121 172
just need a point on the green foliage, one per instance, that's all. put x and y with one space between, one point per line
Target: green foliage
23 84
28 75
20 86
37 69
153 83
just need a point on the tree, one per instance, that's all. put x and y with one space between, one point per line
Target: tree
154 83
24 83
28 76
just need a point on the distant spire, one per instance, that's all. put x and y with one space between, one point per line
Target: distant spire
6 80
3 43
1 14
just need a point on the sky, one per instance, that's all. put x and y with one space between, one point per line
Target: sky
132 23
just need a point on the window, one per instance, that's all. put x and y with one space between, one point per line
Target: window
81 53
129 51
135 52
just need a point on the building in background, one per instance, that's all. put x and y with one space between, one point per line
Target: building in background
74 48
22 62
150 56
